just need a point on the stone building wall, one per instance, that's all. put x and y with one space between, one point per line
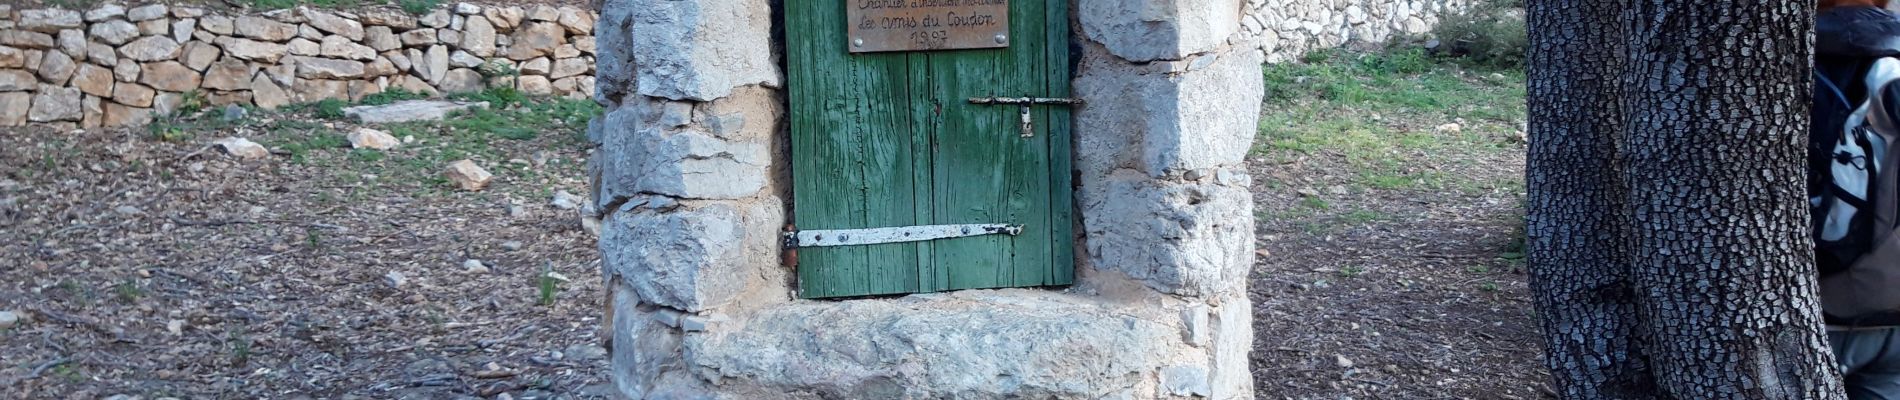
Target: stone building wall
115 65
1286 29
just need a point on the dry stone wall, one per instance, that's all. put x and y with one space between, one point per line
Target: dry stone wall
115 65
1286 29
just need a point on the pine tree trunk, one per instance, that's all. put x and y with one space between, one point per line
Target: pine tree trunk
1667 220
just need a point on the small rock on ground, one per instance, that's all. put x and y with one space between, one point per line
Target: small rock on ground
366 138
469 176
8 319
566 201
242 148
395 279
474 267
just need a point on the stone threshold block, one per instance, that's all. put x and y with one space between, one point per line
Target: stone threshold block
979 344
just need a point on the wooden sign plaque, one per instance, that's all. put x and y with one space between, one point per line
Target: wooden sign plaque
918 25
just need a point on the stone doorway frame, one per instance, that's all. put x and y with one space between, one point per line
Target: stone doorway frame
691 180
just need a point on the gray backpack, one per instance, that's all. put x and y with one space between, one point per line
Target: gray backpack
1857 249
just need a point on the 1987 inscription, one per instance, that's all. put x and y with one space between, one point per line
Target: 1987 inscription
911 25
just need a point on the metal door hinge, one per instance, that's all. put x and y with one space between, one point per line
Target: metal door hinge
1023 103
903 234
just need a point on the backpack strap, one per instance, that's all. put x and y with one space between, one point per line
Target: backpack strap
1828 84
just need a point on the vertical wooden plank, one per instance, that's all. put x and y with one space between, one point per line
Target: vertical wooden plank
925 117
850 149
1059 71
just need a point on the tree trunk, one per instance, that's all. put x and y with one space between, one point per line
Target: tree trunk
1667 222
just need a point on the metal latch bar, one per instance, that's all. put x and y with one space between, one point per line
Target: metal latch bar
1023 103
903 234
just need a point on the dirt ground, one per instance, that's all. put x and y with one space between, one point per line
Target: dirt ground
1389 194
166 269
1390 256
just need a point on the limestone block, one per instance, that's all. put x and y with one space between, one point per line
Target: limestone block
504 19
566 51
150 48
394 19
12 57
26 39
537 66
73 42
577 21
13 108
230 74
304 47
93 80
478 37
184 29
467 9
335 25
1145 30
216 24
199 55
147 13
460 80
219 98
688 164
544 13
461 59
92 112
133 93
187 12
693 258
284 74
534 85
18 80
567 86
126 71
434 65
315 90
360 89
337 46
34 57
1185 239
409 110
50 20
449 37
1047 345
56 67
535 39
570 67
381 38
105 12
583 43
309 32
1184 123
156 27
435 19
400 60
122 115
114 32
54 104
697 50
264 29
169 76
266 94
419 38
326 68
167 103
380 67
251 50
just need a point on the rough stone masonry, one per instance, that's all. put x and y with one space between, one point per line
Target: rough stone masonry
692 182
113 66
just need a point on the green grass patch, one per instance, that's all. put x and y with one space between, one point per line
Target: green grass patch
1380 113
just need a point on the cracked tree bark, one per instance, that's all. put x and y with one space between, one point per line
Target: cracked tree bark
1666 224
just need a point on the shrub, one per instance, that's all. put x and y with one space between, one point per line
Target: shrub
1490 33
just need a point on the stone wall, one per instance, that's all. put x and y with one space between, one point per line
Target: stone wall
115 65
1286 29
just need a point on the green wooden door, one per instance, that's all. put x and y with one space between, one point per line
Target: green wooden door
883 140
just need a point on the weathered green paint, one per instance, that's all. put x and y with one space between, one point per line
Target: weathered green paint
890 139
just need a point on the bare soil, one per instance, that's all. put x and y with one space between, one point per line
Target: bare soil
163 269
